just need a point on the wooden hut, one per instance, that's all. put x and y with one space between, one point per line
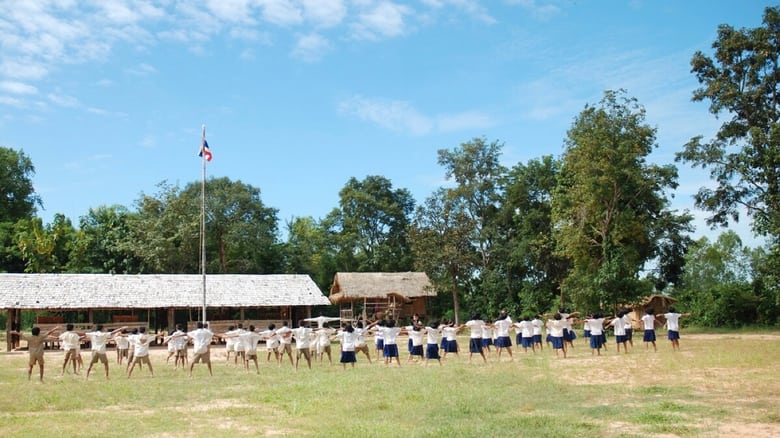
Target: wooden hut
659 303
369 295
158 301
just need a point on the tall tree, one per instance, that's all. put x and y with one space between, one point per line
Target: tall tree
609 201
105 243
18 201
307 251
742 83
442 248
372 225
526 247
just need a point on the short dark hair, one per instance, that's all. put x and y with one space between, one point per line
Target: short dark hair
36 331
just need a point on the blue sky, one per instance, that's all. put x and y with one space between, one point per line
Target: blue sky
108 97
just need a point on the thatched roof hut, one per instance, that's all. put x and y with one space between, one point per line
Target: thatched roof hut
394 293
659 303
275 296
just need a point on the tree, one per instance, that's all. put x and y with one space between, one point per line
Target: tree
609 202
441 247
525 248
371 226
105 242
307 251
17 195
742 82
475 169
718 287
18 201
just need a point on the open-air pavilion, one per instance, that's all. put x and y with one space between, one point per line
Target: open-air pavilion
369 295
157 301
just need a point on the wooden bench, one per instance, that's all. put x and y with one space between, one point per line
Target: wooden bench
221 326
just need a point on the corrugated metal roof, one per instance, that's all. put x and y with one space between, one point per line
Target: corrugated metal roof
105 291
350 286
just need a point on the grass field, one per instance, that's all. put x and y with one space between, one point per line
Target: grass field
719 385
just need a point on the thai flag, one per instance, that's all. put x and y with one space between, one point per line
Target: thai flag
205 151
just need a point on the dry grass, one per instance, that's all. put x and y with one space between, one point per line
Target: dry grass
718 385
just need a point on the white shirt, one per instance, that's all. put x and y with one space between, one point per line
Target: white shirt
141 344
487 331
475 325
536 324
672 321
361 336
323 336
347 340
390 334
620 326
284 335
98 340
70 340
121 342
649 322
271 339
556 327
201 338
301 335
502 327
450 333
432 334
417 337
249 340
596 326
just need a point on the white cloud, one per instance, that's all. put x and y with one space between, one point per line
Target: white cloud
22 69
281 12
469 120
237 11
14 87
311 47
324 13
142 70
63 100
384 19
397 115
390 114
539 9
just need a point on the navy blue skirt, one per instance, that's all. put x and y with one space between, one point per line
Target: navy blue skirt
348 357
432 351
649 336
390 350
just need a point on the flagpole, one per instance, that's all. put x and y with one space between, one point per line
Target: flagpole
203 221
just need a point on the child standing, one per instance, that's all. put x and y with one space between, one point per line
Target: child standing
648 321
673 327
555 328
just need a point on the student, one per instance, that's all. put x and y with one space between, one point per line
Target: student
122 346
502 326
525 333
347 338
432 333
629 325
249 339
379 340
322 341
230 343
568 334
487 338
450 339
271 343
179 342
390 335
285 342
98 340
536 325
619 324
673 327
302 341
201 341
596 326
35 345
360 342
238 346
71 344
416 336
141 343
555 330
475 337
649 321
